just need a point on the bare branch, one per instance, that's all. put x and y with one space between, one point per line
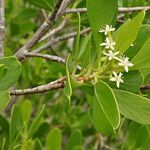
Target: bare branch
49 57
145 87
63 7
54 31
40 32
2 26
62 38
57 84
121 10
46 56
132 9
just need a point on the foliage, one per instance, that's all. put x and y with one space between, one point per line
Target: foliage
103 103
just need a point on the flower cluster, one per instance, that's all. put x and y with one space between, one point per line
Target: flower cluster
110 52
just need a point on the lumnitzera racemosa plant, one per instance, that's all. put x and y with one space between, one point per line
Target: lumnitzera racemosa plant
103 75
104 63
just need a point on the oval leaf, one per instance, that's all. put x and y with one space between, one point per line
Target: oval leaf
53 140
127 33
99 119
12 74
107 100
134 107
100 14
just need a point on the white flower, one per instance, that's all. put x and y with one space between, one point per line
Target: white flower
111 55
125 63
108 44
117 78
107 29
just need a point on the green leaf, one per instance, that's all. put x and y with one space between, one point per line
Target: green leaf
89 53
143 36
127 33
74 141
134 107
25 110
68 89
12 74
99 119
100 13
3 71
76 51
36 122
4 99
4 124
37 145
142 59
16 124
108 103
53 140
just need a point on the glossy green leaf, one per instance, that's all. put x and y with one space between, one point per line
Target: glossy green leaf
142 60
53 140
99 119
143 36
74 141
127 33
134 107
4 99
96 10
12 74
108 103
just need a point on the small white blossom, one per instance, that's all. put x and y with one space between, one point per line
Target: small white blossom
107 29
125 63
111 55
108 44
117 78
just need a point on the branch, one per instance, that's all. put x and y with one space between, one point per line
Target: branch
50 57
57 84
121 10
40 32
54 31
2 26
62 38
132 9
145 87
46 56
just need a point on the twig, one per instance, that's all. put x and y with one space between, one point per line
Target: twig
56 40
2 26
57 84
145 87
132 9
120 9
63 7
54 31
40 32
46 56
49 57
